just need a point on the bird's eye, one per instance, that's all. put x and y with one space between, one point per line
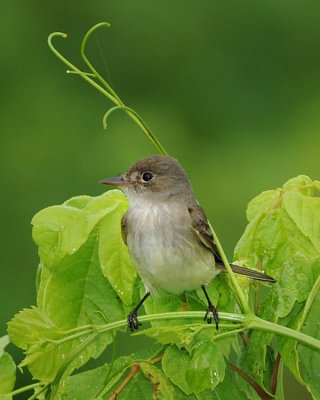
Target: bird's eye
147 176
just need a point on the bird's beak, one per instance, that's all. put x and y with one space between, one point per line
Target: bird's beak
115 181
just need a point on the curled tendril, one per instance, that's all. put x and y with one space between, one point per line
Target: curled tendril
136 117
98 82
76 70
89 64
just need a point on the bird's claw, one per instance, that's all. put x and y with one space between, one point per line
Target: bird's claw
212 310
133 322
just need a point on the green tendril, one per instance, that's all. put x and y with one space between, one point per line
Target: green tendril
75 69
136 117
98 82
89 64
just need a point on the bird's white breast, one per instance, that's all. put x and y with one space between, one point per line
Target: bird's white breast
164 248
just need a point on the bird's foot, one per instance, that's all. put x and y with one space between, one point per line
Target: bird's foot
212 310
133 322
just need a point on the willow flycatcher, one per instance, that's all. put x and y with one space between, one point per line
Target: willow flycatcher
167 233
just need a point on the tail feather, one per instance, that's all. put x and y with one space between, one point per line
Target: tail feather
250 273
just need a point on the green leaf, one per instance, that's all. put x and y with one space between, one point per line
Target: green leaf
73 294
232 387
161 387
288 347
77 293
163 301
305 212
181 335
94 383
303 184
194 373
283 239
7 370
138 388
30 326
280 390
207 366
175 363
294 284
61 230
263 203
102 381
257 358
4 341
83 386
114 258
235 387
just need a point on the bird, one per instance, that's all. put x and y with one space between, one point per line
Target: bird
167 233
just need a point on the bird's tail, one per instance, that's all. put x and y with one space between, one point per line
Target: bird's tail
250 273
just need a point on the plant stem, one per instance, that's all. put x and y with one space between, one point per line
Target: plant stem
313 293
25 388
248 322
239 293
229 333
134 370
66 364
167 316
263 325
251 322
260 391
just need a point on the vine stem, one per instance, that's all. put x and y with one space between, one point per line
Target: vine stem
64 367
248 322
25 389
255 322
134 370
310 300
239 293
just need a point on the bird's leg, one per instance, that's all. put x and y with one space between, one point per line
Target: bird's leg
133 322
211 309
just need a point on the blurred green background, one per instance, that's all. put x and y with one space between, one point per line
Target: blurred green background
231 88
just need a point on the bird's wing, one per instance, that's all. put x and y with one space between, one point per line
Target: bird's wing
202 229
124 228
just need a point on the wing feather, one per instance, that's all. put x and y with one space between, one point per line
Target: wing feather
124 228
202 229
